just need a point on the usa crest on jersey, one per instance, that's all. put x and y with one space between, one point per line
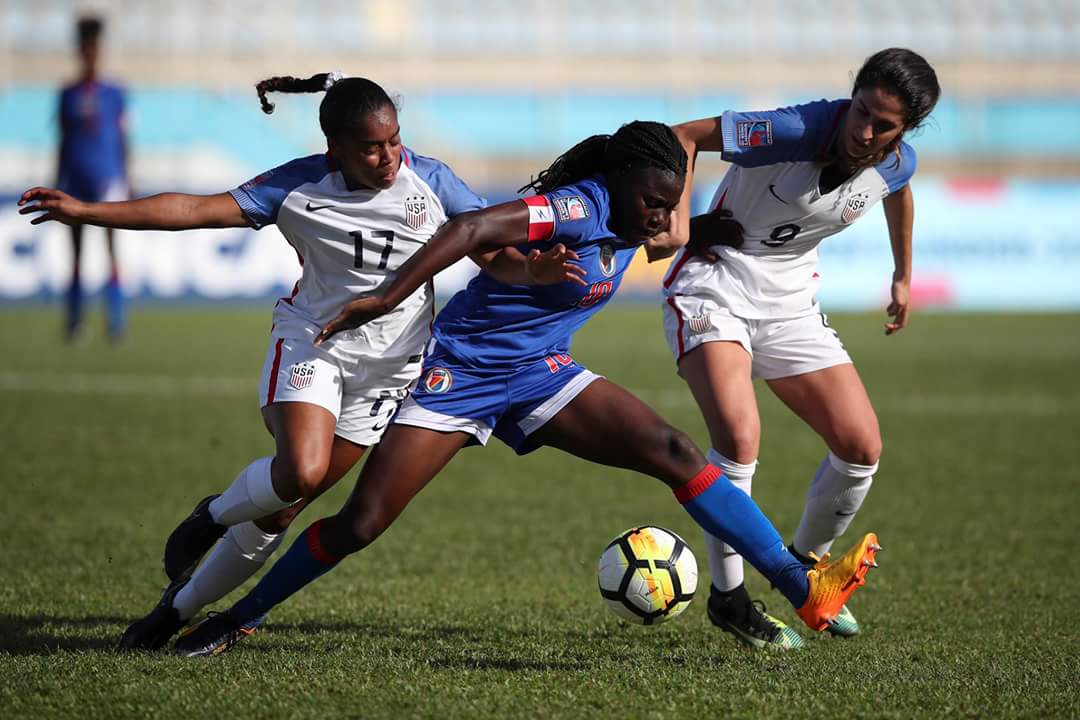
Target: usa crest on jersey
302 375
415 211
854 207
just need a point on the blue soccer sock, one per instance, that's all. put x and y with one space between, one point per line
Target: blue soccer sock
114 303
305 561
74 303
728 513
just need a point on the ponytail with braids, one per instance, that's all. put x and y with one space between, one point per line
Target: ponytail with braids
639 144
347 99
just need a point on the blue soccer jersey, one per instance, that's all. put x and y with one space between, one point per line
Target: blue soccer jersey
91 118
493 324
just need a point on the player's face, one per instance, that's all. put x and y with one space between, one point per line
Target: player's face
89 52
370 154
642 201
874 121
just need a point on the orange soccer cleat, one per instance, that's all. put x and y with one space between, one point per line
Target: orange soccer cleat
833 582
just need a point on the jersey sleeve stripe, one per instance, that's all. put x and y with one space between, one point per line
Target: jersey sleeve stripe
541 218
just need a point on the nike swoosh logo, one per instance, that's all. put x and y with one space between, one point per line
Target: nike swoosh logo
840 514
772 189
378 427
313 208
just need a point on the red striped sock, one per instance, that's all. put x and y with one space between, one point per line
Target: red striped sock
698 484
315 546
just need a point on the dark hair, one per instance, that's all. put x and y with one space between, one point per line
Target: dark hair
88 28
905 74
346 100
640 144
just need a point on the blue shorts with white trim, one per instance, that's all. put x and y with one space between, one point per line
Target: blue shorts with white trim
512 404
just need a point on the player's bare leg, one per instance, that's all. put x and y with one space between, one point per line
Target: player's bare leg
609 425
114 296
834 403
74 311
719 377
237 556
401 465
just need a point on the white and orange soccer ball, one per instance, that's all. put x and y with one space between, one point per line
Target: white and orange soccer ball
647 575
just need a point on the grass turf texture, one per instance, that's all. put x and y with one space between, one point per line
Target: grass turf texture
482 602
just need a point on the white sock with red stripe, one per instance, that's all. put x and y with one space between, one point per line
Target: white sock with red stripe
726 565
236 557
250 497
835 495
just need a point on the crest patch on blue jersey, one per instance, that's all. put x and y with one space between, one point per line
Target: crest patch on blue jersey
753 133
571 207
607 260
438 380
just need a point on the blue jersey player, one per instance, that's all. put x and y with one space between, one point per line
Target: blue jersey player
353 214
798 175
499 364
92 165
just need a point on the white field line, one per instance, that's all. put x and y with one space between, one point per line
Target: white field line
1032 405
111 384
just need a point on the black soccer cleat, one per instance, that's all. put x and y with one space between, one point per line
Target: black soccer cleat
213 636
751 625
154 630
191 539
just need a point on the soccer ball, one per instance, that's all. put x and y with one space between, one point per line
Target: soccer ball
647 575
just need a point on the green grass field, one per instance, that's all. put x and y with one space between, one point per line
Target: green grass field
482 601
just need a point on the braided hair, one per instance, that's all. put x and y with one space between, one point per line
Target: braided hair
346 100
639 144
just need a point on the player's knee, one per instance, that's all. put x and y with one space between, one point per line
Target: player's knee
364 528
279 522
859 448
305 474
745 443
675 447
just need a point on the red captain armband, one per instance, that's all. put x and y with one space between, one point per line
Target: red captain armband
541 218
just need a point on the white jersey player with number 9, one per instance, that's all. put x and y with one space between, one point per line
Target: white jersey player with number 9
354 215
740 300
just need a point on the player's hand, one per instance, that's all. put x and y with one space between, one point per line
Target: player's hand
899 307
554 266
716 228
54 204
356 313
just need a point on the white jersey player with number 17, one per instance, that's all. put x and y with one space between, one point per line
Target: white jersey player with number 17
354 215
740 300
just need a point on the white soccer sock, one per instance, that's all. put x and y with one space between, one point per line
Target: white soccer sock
250 497
237 556
835 495
726 565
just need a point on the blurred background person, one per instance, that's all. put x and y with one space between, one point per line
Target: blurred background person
92 166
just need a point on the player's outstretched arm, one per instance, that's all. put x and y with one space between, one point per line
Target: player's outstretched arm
167 211
550 267
900 217
474 233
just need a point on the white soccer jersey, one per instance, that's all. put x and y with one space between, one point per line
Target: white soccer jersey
772 189
350 242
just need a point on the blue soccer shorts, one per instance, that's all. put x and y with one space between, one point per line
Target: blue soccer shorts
511 403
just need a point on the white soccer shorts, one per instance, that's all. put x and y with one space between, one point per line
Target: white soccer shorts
778 347
362 396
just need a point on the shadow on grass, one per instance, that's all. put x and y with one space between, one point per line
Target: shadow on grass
46 635
469 647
